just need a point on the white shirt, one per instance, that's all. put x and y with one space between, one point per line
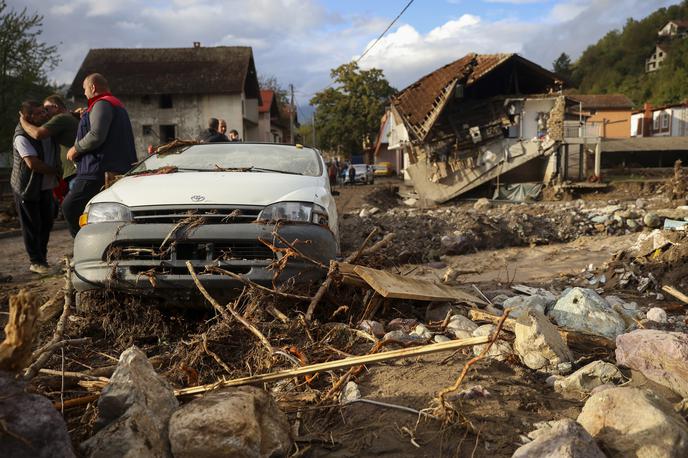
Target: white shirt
26 149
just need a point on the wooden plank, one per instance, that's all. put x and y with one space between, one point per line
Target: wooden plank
676 293
338 364
394 286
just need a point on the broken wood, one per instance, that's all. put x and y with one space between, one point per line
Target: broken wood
572 338
338 364
395 286
76 401
229 307
372 307
15 349
51 308
676 293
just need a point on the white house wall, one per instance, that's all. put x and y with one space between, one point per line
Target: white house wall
531 108
636 122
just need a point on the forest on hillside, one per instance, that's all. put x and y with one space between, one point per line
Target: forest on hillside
616 63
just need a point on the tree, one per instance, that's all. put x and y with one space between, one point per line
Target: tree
24 63
270 82
562 66
349 113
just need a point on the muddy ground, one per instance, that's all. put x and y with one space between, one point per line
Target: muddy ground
551 250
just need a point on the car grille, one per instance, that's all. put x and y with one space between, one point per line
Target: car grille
189 251
212 215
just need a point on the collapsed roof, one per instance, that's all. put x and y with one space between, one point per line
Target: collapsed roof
472 76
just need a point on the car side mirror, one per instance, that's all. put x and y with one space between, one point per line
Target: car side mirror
335 193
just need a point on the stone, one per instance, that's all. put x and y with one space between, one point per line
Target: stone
652 220
627 310
588 377
461 323
500 350
373 210
364 213
410 202
402 324
133 411
657 315
372 327
437 311
640 203
633 422
350 393
538 343
482 204
519 305
661 356
586 311
240 421
561 439
422 331
33 417
403 337
632 224
439 338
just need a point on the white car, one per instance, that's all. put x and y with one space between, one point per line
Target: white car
210 204
364 174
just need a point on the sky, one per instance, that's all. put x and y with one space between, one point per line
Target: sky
299 41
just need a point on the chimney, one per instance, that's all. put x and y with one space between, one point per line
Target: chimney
647 120
197 44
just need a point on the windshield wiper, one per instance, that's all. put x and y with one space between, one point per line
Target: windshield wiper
262 169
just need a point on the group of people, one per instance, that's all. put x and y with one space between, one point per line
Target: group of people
60 157
344 171
216 132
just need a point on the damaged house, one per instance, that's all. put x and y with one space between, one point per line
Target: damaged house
492 118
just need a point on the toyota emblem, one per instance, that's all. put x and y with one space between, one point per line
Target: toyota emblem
198 198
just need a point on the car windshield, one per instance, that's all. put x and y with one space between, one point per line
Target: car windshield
236 157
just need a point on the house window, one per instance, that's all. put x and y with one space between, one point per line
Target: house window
145 100
165 101
147 129
661 54
655 123
665 121
167 133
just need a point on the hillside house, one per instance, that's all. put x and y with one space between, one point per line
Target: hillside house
609 113
654 62
270 120
171 92
674 28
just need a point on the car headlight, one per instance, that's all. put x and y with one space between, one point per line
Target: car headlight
304 212
105 212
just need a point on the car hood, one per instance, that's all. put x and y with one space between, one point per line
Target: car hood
220 188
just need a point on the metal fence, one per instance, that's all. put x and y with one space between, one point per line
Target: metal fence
575 129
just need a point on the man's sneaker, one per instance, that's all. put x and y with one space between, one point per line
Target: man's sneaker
39 268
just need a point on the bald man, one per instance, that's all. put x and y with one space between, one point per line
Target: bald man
104 143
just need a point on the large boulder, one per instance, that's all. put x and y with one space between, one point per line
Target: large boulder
31 427
538 342
586 311
461 327
633 422
133 411
661 356
589 377
561 439
519 305
242 421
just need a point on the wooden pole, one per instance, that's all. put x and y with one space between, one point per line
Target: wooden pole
339 364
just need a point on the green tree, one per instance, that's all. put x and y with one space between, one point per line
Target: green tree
348 114
24 63
562 66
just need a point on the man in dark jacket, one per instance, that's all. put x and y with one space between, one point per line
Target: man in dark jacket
35 170
104 143
211 134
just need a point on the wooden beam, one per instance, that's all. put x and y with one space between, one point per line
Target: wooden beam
676 293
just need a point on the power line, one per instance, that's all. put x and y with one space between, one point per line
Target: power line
384 32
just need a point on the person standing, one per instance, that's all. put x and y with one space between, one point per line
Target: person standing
234 136
62 126
104 143
222 128
35 170
211 134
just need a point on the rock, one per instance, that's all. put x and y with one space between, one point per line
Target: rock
661 356
586 311
461 323
629 421
242 421
403 337
373 210
350 393
657 315
422 331
538 343
133 411
641 203
32 417
651 220
372 327
500 350
561 439
482 204
632 224
588 377
521 304
601 219
364 213
410 202
402 324
439 338
437 311
627 310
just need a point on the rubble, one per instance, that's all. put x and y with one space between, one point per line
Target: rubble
661 356
500 351
563 439
586 311
629 421
657 315
538 343
589 377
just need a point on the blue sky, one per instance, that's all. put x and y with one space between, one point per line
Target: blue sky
299 41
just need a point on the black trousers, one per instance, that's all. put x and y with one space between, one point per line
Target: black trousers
73 205
36 219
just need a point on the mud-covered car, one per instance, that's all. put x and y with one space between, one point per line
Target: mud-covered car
214 205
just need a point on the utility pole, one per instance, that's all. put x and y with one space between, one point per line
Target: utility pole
291 115
314 129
